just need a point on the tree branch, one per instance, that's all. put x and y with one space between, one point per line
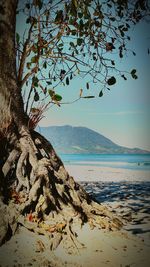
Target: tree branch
23 57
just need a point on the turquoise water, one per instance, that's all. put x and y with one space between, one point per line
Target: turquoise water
137 162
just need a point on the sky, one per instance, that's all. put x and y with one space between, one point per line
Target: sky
122 114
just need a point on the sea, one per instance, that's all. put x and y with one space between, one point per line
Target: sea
132 161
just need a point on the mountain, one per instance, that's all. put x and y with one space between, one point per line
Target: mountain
78 140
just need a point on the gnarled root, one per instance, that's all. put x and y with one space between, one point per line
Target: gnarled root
46 195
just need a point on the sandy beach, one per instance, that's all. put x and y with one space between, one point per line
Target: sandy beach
105 174
96 248
126 193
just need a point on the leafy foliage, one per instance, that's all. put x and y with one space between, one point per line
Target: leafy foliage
64 39
133 74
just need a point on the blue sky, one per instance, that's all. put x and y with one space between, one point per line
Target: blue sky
122 114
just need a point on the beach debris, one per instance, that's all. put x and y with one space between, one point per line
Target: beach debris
91 224
124 249
60 227
17 197
55 241
30 217
40 247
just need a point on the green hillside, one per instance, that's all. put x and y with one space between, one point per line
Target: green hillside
68 139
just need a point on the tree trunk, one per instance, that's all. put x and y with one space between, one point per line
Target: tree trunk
35 189
11 101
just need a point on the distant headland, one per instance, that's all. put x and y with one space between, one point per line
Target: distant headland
81 140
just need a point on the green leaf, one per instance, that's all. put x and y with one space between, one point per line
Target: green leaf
111 81
87 85
124 77
122 33
75 3
133 72
62 72
61 45
73 32
57 97
81 22
79 41
120 54
97 23
36 97
28 65
101 93
89 96
35 81
96 13
34 59
67 80
45 65
80 15
28 20
28 6
135 77
59 16
113 62
112 18
49 83
51 92
109 5
72 44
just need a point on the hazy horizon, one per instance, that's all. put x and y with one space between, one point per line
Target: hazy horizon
39 127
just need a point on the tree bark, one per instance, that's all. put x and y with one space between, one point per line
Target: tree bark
11 108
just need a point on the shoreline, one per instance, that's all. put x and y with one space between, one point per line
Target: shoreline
106 174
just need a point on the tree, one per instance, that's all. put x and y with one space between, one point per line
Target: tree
62 39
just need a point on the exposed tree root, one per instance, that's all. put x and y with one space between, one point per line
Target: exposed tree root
46 199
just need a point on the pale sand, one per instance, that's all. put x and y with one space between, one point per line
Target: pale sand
111 249
108 249
106 174
101 248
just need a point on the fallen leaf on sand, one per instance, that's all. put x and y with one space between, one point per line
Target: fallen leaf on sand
30 217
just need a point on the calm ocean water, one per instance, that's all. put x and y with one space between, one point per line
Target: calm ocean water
136 162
